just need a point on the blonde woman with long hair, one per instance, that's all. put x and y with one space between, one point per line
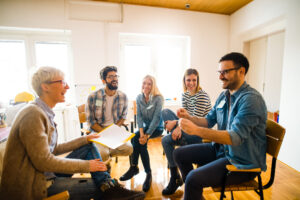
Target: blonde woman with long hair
150 124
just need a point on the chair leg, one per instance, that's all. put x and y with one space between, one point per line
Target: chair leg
261 194
222 192
131 127
134 121
232 197
130 160
116 159
223 186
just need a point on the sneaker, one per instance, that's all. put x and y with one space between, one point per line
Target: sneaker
112 190
133 170
147 183
172 186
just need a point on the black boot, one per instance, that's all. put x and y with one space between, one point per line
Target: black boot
147 182
133 170
174 183
111 189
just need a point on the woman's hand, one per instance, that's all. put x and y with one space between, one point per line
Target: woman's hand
143 139
176 134
92 136
188 127
169 125
97 166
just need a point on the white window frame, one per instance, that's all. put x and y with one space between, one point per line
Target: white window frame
153 41
32 36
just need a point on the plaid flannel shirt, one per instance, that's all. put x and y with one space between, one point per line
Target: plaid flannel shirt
96 105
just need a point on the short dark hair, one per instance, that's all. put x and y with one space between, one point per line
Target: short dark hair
105 70
238 59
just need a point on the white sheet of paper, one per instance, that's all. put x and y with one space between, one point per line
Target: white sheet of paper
113 136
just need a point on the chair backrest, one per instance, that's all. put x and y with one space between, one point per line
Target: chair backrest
275 134
81 113
134 107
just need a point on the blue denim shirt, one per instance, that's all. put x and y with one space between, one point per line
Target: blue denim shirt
149 114
246 125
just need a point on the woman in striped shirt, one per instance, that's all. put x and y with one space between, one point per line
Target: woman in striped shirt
197 103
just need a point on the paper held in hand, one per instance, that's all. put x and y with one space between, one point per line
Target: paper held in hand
113 136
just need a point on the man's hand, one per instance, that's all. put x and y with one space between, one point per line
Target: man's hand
182 113
92 136
188 126
176 134
97 166
169 125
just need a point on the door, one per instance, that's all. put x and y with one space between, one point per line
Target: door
265 72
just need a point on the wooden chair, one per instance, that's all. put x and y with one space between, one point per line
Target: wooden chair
60 196
134 112
275 134
82 118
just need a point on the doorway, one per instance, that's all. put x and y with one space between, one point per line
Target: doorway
266 59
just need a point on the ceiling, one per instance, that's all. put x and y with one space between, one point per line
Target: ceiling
226 7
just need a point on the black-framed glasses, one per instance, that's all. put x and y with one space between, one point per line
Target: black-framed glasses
226 71
63 82
113 77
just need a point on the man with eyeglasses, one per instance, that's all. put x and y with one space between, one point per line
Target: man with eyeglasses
106 106
240 113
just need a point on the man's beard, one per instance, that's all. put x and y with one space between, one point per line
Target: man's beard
232 84
111 87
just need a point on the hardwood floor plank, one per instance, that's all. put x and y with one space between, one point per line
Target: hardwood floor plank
286 184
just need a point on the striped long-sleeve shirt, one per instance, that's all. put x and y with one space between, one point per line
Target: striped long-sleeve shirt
197 104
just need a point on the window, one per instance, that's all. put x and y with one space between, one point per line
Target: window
21 52
13 76
54 54
164 57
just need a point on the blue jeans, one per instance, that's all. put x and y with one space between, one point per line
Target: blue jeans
169 144
88 152
211 172
142 150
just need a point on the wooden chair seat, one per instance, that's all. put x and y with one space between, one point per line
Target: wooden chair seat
60 196
250 185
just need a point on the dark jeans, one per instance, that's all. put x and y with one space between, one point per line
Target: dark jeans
169 144
88 152
211 171
142 150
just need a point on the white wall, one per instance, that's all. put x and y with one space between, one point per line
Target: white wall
96 44
262 17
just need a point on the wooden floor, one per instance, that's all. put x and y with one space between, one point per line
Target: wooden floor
286 185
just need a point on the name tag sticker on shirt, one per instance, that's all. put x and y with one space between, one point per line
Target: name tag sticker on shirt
98 102
221 104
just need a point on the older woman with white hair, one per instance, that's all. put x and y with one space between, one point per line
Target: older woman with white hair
30 159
